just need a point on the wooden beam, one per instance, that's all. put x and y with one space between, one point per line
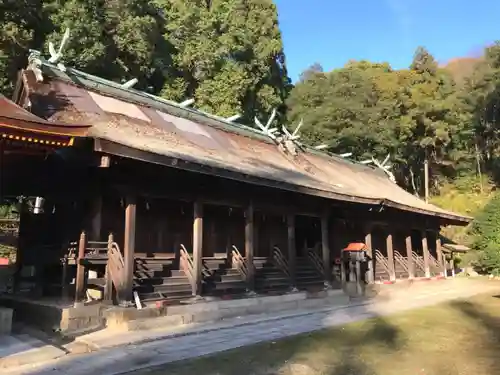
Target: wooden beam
105 161
425 250
129 247
409 256
292 251
390 256
249 246
325 247
80 270
197 246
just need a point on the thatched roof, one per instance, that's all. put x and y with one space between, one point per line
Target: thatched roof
153 126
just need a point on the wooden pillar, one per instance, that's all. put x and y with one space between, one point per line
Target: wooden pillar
96 218
80 270
197 246
439 253
370 276
325 247
108 286
292 251
249 245
452 265
409 256
129 247
64 278
425 250
390 257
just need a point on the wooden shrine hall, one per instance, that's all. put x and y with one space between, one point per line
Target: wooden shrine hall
158 198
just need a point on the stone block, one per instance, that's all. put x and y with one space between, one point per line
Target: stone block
191 308
283 306
207 316
258 308
340 300
237 303
81 311
317 294
95 294
233 312
5 320
312 303
154 323
334 292
187 318
283 298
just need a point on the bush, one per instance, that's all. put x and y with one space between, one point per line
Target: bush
486 232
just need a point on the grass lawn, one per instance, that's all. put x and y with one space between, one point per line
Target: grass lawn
459 337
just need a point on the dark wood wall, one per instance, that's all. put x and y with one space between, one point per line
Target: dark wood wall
165 199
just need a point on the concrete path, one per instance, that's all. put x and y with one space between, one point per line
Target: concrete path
21 349
215 338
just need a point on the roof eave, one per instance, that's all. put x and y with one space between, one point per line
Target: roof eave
118 149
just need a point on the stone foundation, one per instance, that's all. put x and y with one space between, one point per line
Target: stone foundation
133 319
70 320
54 316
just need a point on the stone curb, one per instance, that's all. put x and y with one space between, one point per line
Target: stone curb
232 323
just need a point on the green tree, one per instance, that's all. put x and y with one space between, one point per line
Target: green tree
22 26
371 110
340 109
228 55
486 229
117 40
481 99
430 124
310 72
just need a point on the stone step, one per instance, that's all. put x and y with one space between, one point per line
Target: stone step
231 285
162 273
164 288
269 272
150 261
162 280
150 267
231 277
170 296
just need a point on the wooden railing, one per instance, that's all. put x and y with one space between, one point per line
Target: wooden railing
418 261
401 260
116 269
382 260
187 265
239 262
316 260
281 261
93 249
434 265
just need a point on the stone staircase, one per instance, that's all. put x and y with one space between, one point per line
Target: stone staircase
159 279
380 264
220 277
418 265
268 277
307 276
400 265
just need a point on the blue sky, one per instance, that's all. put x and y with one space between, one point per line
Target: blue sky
333 31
